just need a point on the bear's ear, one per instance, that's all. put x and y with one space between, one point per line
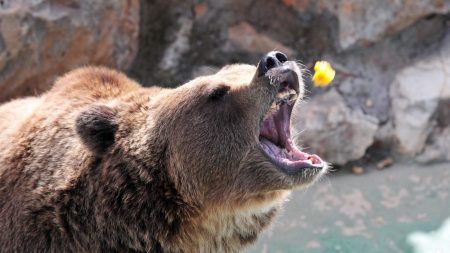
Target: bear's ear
96 127
218 92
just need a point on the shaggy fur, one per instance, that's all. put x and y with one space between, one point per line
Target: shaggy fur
100 164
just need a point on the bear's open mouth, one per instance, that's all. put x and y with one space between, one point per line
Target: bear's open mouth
275 135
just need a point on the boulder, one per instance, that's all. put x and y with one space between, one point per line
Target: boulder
437 150
42 39
327 127
368 21
362 22
416 94
245 37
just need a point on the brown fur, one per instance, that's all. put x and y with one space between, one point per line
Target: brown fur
100 164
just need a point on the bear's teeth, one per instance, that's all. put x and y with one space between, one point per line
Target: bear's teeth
275 105
288 97
282 95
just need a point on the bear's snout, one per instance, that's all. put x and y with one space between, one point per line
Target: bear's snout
271 60
280 72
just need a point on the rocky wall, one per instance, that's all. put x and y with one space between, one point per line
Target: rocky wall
41 39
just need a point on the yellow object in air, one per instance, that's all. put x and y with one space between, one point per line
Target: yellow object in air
324 74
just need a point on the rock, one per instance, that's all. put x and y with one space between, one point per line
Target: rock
369 103
438 144
247 38
333 131
366 21
362 22
357 170
438 148
179 46
415 95
385 163
368 73
166 41
42 39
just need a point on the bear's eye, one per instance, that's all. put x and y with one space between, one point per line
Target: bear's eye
218 92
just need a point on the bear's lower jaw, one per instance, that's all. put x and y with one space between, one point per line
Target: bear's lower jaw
277 145
289 158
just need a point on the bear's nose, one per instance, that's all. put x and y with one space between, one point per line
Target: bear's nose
271 60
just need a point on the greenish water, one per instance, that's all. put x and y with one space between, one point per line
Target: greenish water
370 213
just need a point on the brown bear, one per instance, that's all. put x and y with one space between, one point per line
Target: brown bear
101 164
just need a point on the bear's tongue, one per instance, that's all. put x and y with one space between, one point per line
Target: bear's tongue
275 126
276 141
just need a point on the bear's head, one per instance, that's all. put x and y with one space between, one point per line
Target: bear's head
223 140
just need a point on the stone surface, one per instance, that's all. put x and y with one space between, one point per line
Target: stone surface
364 22
416 94
327 127
42 39
438 148
244 36
367 21
367 73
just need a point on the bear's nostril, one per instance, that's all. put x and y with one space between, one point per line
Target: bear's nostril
270 62
281 57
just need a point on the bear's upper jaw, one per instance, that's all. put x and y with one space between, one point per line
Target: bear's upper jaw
275 136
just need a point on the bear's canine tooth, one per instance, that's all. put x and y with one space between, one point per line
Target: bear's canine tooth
282 95
288 96
275 105
292 98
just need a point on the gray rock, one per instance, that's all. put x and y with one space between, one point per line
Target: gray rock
245 37
367 21
438 148
367 73
42 39
363 22
415 95
327 127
